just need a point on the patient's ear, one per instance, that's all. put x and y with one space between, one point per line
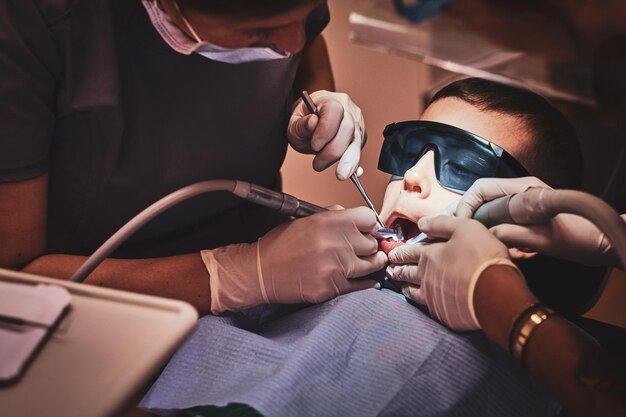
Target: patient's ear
521 253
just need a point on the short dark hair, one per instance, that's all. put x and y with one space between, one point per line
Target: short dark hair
554 156
243 8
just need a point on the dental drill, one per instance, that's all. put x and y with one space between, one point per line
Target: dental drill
283 203
537 205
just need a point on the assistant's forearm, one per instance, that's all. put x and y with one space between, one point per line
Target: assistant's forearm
568 362
183 277
314 72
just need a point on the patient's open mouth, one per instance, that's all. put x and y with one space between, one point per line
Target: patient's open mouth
408 227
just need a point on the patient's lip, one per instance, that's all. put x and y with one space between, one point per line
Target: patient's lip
387 245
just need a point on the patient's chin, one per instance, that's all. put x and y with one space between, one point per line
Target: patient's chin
521 253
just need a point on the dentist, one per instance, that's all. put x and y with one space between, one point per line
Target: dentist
109 105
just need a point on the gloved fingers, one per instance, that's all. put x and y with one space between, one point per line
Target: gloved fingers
516 236
364 219
349 161
404 273
407 254
331 116
363 244
565 236
340 134
300 130
483 190
415 293
441 227
364 265
487 189
334 146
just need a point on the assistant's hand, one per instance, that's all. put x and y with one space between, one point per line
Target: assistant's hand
443 275
566 236
306 260
487 189
338 134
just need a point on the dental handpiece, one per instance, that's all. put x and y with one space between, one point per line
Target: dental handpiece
282 202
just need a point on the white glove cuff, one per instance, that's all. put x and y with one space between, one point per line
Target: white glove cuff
232 277
210 263
259 272
474 279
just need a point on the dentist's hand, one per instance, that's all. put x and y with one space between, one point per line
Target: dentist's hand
566 236
443 275
338 134
306 260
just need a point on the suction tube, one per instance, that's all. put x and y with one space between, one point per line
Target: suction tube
538 205
284 203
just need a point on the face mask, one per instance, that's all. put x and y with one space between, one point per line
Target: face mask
180 42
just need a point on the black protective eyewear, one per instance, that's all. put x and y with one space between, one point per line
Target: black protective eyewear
460 156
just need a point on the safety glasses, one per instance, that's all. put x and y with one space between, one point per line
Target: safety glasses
460 156
417 12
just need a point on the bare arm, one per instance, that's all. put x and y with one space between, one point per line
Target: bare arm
23 215
314 72
183 277
571 365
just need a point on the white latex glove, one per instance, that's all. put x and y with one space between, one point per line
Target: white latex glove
487 189
306 260
566 236
443 275
338 134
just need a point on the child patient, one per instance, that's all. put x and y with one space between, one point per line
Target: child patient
472 128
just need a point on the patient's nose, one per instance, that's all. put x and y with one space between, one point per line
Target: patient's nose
419 178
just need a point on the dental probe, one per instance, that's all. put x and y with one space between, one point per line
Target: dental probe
357 182
310 105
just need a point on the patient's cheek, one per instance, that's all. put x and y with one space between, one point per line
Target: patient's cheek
386 245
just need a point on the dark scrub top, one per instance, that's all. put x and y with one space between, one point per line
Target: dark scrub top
91 93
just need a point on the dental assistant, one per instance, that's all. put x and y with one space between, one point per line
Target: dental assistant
108 105
468 282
